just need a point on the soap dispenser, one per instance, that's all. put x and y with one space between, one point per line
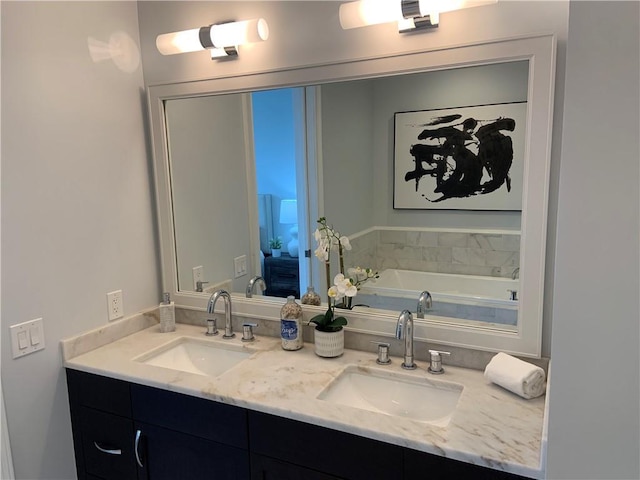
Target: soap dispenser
167 314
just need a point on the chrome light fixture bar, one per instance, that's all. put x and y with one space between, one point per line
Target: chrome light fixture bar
222 39
410 15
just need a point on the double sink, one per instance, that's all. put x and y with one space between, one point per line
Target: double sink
383 391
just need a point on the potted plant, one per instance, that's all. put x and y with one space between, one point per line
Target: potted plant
329 332
276 246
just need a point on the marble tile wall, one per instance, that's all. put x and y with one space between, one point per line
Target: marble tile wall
471 253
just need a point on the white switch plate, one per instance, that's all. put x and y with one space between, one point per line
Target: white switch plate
115 306
198 276
240 266
27 337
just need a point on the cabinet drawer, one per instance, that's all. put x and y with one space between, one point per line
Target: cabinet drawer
283 274
352 457
107 445
98 392
194 416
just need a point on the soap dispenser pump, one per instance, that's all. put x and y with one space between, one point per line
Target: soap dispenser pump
167 314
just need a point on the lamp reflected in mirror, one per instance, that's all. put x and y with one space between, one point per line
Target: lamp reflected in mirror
289 216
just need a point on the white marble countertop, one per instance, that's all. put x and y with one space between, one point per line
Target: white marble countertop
490 426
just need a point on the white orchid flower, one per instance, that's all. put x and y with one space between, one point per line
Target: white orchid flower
358 273
338 279
322 253
334 292
344 241
317 235
351 290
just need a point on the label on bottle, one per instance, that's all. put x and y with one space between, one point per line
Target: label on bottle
288 329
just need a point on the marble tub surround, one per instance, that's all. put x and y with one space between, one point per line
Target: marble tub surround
490 426
466 252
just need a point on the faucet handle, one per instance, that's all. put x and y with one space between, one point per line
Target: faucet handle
247 332
513 294
435 357
212 328
199 285
383 353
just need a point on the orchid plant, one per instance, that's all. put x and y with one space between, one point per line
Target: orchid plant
343 288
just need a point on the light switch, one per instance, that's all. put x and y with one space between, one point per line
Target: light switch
34 333
27 337
240 266
22 340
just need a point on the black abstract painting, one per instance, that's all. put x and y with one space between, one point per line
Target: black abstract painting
460 158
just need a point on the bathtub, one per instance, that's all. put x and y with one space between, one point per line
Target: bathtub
470 297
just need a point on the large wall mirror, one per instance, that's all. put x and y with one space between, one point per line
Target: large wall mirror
337 151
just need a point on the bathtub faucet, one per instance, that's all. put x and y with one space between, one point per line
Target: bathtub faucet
257 280
404 326
425 302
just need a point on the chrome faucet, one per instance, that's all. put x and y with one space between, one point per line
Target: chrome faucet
228 329
252 283
404 326
425 302
515 274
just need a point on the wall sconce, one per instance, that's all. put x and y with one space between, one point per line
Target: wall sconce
410 14
220 39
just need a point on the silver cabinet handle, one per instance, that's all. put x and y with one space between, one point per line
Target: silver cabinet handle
110 451
138 433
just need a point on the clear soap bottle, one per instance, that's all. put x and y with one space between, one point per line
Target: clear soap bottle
291 325
311 297
167 314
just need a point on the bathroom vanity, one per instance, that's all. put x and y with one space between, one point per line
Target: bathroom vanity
265 417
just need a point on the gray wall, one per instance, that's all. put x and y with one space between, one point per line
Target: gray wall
593 423
77 210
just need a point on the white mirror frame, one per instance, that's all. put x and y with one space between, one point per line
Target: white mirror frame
539 50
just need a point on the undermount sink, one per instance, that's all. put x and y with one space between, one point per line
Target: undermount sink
392 393
193 356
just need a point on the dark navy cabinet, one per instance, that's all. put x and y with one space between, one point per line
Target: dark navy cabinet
126 431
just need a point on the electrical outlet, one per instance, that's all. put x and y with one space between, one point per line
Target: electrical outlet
240 266
198 276
115 305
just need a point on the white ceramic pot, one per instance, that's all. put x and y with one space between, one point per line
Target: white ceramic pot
329 344
276 252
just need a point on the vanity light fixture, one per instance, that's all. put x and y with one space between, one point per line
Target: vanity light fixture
409 14
222 39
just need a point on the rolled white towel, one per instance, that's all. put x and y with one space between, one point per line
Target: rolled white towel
517 376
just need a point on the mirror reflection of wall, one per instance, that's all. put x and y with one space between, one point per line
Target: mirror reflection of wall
207 154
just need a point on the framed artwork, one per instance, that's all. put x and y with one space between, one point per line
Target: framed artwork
463 158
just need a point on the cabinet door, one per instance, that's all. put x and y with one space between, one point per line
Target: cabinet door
164 454
349 456
265 468
420 465
106 445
